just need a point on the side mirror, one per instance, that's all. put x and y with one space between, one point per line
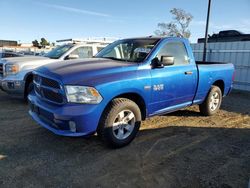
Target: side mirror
167 60
72 56
155 63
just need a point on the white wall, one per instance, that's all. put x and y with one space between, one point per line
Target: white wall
237 53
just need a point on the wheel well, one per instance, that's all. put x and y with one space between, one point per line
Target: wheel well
28 79
220 84
138 100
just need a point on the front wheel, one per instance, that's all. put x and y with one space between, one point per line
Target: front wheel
212 103
120 122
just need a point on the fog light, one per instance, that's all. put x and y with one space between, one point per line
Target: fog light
72 126
11 85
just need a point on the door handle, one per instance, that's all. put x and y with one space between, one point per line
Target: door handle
188 72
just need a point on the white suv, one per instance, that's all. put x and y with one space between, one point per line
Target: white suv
16 73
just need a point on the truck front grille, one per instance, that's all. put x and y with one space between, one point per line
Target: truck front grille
48 89
47 81
52 96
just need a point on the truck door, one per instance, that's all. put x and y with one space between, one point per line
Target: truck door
173 86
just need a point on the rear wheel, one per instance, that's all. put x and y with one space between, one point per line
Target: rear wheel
212 103
120 122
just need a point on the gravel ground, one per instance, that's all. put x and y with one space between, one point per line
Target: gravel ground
181 149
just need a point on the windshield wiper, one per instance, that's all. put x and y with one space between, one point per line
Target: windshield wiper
114 58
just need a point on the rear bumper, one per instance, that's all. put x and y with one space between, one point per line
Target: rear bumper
57 118
229 90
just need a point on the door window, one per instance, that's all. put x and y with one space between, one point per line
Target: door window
176 50
83 52
99 49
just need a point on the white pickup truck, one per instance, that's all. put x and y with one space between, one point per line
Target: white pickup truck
16 73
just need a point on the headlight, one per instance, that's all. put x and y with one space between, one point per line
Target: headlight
11 69
83 94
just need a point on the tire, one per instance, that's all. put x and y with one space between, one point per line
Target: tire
29 88
120 122
212 103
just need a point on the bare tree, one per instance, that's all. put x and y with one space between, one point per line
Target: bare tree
178 27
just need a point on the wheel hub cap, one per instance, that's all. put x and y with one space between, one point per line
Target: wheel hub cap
214 101
123 124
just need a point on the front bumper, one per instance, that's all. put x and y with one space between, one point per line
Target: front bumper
57 118
12 86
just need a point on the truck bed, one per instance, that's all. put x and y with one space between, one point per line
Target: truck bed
208 73
209 62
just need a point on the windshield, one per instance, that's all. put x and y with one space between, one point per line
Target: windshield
132 50
58 51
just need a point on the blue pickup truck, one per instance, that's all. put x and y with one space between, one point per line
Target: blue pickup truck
126 82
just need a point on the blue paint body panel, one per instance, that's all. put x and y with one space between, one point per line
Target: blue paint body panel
112 78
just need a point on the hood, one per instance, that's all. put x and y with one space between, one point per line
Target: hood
24 59
85 71
28 62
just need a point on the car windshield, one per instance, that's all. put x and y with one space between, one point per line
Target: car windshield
58 51
131 50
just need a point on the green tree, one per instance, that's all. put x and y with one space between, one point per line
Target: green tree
178 27
44 42
35 43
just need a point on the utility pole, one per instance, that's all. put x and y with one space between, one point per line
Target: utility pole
206 33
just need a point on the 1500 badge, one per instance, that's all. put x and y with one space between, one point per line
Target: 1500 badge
158 87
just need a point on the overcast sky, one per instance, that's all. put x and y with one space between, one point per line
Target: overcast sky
26 20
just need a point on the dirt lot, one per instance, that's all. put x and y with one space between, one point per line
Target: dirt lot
181 149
